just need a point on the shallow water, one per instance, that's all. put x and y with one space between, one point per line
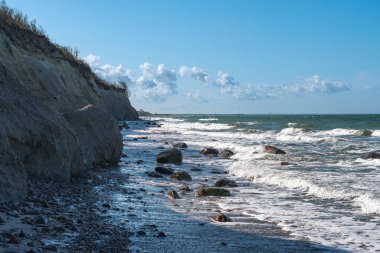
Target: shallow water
331 196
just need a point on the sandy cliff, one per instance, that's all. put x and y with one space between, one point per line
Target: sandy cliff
57 118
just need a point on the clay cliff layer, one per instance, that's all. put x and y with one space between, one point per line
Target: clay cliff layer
57 118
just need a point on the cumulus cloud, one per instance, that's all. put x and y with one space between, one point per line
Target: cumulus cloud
195 72
196 97
155 84
109 72
316 84
158 83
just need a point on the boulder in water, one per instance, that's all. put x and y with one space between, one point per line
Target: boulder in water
213 191
225 182
173 194
226 153
163 170
180 145
181 176
209 151
173 156
373 155
220 217
273 150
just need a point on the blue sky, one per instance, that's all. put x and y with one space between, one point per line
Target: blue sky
227 56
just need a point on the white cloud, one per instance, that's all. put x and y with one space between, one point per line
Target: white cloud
158 83
155 84
225 80
316 84
109 72
195 72
196 97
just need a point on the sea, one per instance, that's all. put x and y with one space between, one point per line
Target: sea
328 194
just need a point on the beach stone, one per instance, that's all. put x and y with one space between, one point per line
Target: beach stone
141 233
220 217
161 234
184 188
251 178
367 132
123 125
373 155
173 194
153 174
163 170
225 182
41 220
51 247
180 145
209 151
273 150
173 156
181 176
213 191
226 153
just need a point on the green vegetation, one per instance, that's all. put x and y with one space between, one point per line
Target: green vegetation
17 19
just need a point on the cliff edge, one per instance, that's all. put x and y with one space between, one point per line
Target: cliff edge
57 117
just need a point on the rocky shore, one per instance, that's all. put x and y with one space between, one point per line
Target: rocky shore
142 206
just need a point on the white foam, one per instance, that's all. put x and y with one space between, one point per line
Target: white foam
376 133
341 132
209 119
369 203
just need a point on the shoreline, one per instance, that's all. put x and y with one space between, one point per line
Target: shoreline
122 209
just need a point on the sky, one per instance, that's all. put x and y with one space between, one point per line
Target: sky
270 56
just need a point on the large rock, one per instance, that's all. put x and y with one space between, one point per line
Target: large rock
273 150
213 191
98 134
173 156
209 151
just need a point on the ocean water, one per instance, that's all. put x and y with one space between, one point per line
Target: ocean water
330 194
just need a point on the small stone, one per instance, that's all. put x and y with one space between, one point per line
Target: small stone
181 176
51 247
273 150
153 174
161 234
224 182
106 205
220 217
163 170
213 191
141 233
251 178
173 195
180 145
209 151
41 220
139 161
226 153
184 188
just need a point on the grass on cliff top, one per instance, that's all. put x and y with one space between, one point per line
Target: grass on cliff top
18 19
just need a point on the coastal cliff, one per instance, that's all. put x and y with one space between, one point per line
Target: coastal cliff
57 117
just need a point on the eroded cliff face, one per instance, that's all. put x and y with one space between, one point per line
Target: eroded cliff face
56 118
